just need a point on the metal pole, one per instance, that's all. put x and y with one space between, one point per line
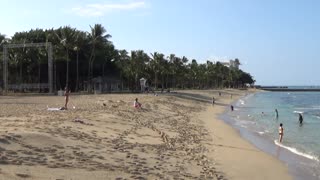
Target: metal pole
50 79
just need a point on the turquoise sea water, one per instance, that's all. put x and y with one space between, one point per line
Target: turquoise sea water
255 114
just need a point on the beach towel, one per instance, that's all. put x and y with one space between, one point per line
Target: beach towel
55 109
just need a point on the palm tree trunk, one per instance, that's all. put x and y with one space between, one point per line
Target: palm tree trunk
20 79
39 76
155 80
121 78
77 81
167 81
103 70
67 71
90 76
162 82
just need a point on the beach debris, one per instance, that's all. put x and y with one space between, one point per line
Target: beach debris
81 122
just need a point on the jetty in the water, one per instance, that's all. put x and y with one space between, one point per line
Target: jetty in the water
286 88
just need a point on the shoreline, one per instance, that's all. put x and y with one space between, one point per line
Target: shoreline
299 166
237 157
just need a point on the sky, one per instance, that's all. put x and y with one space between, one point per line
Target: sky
277 42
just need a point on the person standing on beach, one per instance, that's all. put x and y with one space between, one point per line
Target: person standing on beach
300 118
231 108
213 100
280 132
66 94
277 114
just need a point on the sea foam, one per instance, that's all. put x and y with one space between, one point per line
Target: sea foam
295 151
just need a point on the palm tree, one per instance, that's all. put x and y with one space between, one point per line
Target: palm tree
80 41
193 72
137 67
19 56
97 38
67 36
122 62
157 62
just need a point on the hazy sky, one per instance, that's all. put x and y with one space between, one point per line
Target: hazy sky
277 41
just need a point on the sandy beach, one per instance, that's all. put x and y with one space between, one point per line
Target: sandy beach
174 136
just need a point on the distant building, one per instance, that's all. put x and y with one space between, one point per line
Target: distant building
232 64
105 84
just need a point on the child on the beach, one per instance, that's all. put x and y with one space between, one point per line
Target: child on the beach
66 94
280 132
136 104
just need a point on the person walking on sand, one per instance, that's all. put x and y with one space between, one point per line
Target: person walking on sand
136 104
277 114
300 118
231 108
213 100
280 132
66 94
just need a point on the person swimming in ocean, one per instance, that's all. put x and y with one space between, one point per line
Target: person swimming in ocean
300 118
280 132
277 114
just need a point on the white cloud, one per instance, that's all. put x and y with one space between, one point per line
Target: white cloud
101 9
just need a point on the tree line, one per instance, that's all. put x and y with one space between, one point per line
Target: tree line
80 57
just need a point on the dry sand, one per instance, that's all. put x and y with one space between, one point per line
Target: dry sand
104 137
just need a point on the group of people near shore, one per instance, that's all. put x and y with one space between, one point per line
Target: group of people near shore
281 129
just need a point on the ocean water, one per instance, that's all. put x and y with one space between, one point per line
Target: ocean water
255 117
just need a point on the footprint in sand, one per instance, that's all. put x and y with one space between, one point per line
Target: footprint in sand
119 178
22 175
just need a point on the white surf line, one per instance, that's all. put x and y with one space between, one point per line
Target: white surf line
295 151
